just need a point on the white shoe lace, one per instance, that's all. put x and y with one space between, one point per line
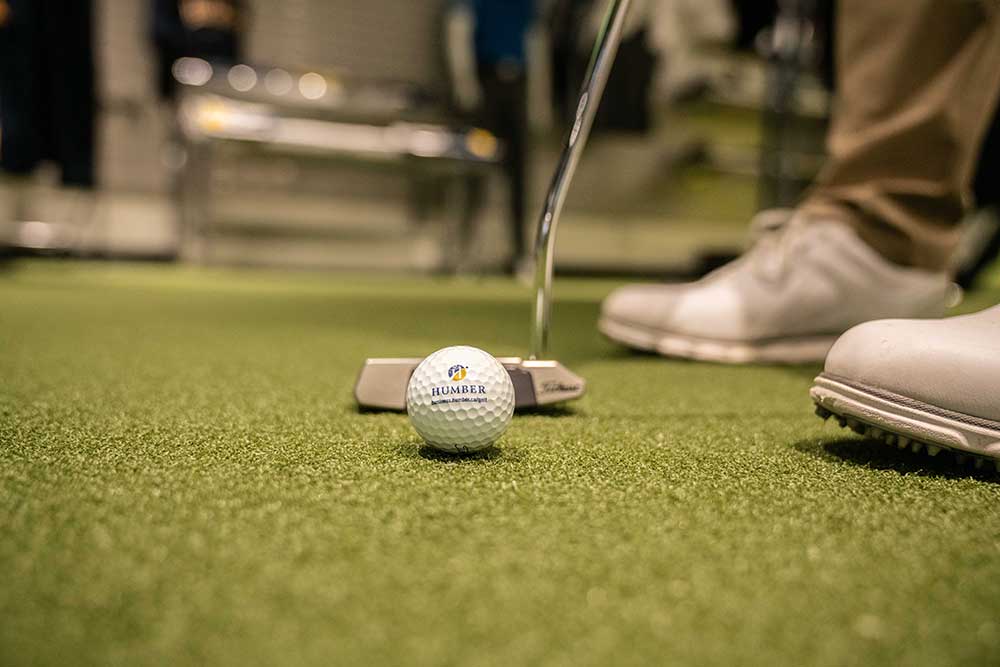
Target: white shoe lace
771 254
776 242
767 222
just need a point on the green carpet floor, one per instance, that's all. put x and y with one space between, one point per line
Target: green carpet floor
185 480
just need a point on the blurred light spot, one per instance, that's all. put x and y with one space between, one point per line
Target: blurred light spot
174 156
312 86
481 143
192 71
242 77
212 116
278 82
428 143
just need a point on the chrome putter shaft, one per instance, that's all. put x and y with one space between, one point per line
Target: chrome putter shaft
603 57
537 382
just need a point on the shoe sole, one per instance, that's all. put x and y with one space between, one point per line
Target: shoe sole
906 423
775 351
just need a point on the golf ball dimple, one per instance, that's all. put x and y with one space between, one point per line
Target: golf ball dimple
460 399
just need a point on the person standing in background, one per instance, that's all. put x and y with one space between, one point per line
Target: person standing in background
486 43
208 29
47 97
47 111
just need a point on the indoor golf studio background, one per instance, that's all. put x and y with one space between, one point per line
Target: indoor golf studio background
299 360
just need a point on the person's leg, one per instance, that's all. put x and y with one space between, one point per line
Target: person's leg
505 113
21 145
904 148
918 81
514 131
21 114
476 184
70 78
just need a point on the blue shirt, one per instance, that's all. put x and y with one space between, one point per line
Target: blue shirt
501 29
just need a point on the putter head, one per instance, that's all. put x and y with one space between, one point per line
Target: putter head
382 383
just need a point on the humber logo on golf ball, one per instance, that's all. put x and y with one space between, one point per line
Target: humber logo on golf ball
457 373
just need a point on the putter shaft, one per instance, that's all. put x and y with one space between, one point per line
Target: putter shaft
601 61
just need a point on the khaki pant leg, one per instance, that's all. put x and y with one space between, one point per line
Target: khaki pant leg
918 82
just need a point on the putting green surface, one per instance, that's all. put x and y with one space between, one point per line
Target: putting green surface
185 479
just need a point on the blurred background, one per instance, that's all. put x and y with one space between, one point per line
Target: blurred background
411 136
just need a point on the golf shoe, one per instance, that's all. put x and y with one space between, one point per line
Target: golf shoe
923 384
786 300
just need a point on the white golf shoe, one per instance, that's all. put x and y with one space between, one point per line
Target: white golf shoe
931 384
785 301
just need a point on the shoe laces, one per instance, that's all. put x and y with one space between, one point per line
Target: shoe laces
766 222
773 253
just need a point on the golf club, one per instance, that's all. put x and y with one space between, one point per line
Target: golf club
381 385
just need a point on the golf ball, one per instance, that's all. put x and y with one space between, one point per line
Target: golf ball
460 399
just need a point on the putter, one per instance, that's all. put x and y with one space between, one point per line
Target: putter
537 382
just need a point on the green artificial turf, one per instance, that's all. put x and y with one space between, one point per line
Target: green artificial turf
185 479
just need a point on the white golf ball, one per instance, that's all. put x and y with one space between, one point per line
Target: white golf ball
460 399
